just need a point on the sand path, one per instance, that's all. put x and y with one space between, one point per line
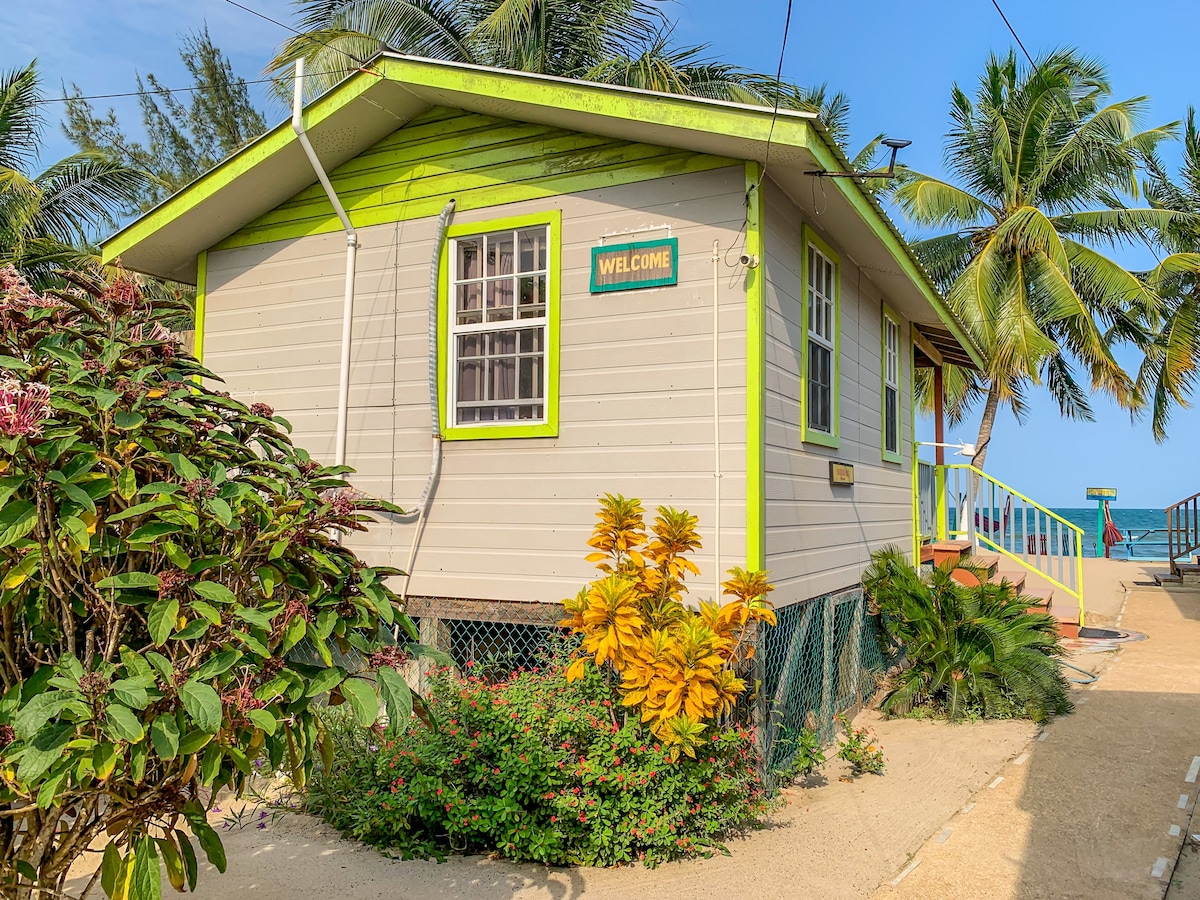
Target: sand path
1099 808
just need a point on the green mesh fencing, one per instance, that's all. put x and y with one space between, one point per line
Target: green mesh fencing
822 658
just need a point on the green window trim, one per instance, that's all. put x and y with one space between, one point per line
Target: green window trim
756 385
808 435
553 220
201 307
889 456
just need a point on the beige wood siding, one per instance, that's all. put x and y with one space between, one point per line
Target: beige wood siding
510 518
819 537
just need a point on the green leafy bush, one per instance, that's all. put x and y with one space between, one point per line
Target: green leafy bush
969 650
537 768
162 550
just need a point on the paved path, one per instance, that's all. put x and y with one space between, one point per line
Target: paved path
1090 810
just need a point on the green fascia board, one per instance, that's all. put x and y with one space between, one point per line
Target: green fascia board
233 167
611 101
830 157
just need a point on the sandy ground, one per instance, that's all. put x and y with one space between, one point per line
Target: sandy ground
837 840
1090 811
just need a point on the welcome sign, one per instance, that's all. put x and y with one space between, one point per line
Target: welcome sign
644 264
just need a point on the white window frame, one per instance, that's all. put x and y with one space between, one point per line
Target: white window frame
891 383
821 329
456 330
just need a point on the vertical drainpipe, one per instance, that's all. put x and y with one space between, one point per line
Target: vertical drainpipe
343 408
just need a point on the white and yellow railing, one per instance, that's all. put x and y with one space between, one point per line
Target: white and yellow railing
961 502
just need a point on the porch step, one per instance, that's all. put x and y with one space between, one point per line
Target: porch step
949 551
1068 620
1042 599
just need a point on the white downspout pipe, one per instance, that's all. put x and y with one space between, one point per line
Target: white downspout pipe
435 427
343 409
716 258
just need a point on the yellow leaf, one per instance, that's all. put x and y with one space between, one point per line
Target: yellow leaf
575 670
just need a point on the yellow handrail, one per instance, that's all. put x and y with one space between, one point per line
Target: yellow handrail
1078 543
996 481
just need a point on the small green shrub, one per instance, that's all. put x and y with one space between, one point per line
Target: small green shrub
860 748
536 768
806 755
970 650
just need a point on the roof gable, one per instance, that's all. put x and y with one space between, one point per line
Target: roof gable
479 160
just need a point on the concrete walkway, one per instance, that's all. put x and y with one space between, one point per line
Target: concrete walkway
1100 806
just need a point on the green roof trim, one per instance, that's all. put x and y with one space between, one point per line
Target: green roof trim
233 167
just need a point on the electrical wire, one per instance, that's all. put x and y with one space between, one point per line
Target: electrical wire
787 24
155 92
286 27
1072 119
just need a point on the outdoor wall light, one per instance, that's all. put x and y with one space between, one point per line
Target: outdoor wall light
964 449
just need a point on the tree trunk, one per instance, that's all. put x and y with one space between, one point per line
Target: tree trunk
985 425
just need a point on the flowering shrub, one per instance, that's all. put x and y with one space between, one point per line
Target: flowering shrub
678 666
538 768
162 549
860 748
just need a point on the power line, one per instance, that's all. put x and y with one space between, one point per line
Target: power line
361 63
787 24
155 91
1072 119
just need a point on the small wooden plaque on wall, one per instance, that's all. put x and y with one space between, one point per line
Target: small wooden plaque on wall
841 473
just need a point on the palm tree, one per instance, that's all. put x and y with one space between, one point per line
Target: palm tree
625 42
1040 162
47 220
1169 372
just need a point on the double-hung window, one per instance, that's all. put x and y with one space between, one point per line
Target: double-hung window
502 303
891 389
821 406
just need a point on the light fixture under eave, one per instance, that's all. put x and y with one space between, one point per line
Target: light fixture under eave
893 144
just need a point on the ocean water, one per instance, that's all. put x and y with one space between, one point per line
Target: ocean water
1132 523
1142 530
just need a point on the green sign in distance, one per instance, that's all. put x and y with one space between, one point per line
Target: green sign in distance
1102 493
643 264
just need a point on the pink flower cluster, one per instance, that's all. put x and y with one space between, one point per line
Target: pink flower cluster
23 407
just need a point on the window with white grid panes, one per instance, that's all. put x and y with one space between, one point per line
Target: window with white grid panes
499 289
891 385
822 322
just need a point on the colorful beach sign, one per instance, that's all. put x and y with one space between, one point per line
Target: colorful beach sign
1102 493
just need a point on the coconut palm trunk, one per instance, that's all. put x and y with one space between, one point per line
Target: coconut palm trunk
986 423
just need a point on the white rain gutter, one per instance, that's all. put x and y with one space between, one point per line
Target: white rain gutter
716 258
343 409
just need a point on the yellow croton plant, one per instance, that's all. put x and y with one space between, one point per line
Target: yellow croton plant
678 664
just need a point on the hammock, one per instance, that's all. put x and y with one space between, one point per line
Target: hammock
1111 534
986 525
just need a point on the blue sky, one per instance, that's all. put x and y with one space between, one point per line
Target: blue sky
896 62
